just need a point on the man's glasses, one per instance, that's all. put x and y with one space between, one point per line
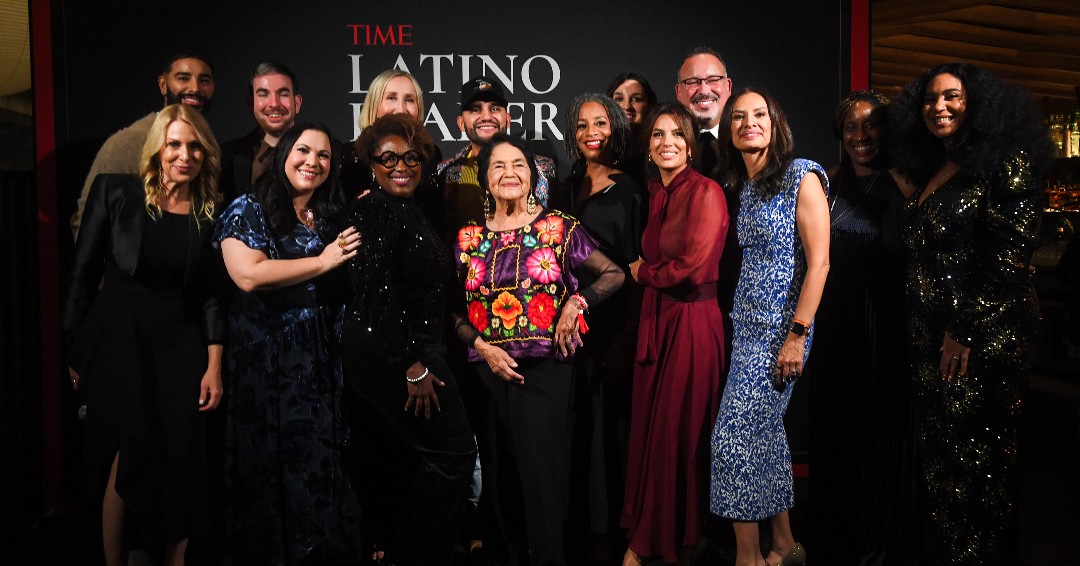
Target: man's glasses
390 159
695 82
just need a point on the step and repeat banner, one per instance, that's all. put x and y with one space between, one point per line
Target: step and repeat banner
108 55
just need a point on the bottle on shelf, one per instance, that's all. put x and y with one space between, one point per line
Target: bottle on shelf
1075 135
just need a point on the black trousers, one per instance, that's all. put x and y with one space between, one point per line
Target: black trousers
532 458
444 444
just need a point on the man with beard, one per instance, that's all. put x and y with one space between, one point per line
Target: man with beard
483 114
275 102
186 78
703 88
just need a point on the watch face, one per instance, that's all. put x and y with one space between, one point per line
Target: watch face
798 329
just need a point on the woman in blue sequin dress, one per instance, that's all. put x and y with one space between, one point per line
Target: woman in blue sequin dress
783 229
290 500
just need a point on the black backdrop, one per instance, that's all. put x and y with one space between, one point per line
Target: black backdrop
106 57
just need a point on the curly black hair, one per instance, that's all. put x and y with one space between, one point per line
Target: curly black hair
274 191
1001 119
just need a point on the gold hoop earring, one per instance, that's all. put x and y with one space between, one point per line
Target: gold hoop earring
532 203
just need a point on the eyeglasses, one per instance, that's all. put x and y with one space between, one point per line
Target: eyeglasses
390 159
695 82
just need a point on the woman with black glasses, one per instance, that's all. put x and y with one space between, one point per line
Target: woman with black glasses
392 339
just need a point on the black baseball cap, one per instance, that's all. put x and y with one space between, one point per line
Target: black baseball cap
484 88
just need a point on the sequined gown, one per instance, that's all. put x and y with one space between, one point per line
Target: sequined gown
751 462
290 500
971 241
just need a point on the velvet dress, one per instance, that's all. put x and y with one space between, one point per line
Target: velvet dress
679 366
290 499
971 242
861 453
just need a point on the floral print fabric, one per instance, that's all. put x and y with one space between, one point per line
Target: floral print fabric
516 281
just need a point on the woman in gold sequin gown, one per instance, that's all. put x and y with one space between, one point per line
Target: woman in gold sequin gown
975 147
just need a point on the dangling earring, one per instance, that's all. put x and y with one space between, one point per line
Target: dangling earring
161 177
374 182
648 157
532 203
487 207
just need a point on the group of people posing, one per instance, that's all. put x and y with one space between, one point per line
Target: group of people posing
475 348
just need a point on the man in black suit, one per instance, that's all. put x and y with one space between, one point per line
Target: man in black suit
275 102
703 88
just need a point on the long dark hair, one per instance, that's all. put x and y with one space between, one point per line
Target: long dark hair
274 191
781 150
1001 119
650 94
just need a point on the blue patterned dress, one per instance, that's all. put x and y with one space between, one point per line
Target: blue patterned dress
751 462
290 500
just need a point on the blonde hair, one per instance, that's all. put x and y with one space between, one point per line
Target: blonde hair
205 186
369 112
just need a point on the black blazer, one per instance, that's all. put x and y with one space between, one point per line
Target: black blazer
113 225
236 158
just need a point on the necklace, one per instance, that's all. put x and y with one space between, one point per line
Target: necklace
306 216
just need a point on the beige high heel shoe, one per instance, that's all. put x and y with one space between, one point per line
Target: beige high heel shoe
795 556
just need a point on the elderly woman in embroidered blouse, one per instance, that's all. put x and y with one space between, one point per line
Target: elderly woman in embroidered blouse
526 314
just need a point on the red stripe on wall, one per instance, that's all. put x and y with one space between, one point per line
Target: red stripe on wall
45 141
860 44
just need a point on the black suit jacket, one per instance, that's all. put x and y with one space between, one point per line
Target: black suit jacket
236 158
705 162
111 236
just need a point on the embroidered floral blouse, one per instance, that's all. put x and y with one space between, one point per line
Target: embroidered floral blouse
517 281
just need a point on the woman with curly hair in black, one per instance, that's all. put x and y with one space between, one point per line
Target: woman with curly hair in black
975 147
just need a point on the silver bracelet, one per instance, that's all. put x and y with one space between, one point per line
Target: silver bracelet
417 379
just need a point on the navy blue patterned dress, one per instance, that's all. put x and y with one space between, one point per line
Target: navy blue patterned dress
751 462
290 498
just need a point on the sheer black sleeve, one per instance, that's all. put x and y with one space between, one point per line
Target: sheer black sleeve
607 276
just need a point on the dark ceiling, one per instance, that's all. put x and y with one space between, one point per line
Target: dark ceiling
1035 43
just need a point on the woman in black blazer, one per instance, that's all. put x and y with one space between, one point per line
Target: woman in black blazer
146 346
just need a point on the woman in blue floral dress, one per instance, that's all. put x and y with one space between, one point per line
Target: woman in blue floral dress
290 499
783 228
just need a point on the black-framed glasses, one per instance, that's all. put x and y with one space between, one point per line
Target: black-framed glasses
694 82
390 159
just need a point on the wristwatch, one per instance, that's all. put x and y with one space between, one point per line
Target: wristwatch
798 328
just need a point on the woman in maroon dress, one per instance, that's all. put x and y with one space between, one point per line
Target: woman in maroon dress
677 377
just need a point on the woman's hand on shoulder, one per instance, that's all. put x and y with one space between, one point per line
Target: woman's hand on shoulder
342 250
501 363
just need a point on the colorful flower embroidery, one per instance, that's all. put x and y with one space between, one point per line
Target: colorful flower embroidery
543 266
475 276
508 238
478 315
469 237
550 230
507 307
529 241
484 246
542 311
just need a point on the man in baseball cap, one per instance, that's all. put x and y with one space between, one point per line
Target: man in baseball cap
483 114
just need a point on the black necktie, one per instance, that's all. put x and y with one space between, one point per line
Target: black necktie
707 150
